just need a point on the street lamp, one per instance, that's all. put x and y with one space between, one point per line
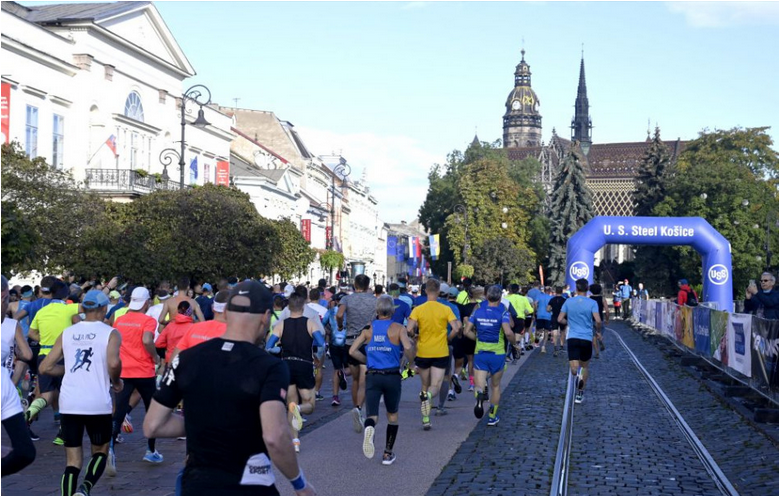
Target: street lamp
197 94
344 170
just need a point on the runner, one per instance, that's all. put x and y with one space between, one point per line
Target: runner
522 306
139 361
170 306
21 367
233 428
47 325
355 312
22 452
297 335
543 317
579 313
490 327
558 329
431 319
207 330
314 298
385 341
603 310
174 331
91 351
337 350
448 389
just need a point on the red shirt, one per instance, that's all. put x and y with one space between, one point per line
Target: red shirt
172 333
200 333
136 361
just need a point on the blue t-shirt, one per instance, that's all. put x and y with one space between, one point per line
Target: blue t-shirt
451 306
420 300
119 305
625 291
489 328
579 311
37 305
25 322
406 297
543 301
381 352
510 310
401 311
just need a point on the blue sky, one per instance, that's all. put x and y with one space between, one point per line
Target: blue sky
395 86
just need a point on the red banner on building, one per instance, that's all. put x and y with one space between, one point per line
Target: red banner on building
6 111
329 237
221 173
305 228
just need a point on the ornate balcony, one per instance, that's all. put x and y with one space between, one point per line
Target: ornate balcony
125 182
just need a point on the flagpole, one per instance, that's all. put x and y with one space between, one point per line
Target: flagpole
96 153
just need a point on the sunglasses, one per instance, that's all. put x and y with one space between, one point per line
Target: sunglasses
765 281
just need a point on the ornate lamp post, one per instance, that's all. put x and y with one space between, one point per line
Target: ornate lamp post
201 95
343 170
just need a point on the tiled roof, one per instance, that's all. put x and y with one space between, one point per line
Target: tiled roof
79 11
623 159
522 153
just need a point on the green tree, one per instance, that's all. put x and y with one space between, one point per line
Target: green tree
47 210
331 260
499 260
571 208
533 199
291 252
651 176
730 178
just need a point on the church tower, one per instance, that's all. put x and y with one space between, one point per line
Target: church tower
522 122
581 125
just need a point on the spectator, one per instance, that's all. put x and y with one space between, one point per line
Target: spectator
765 303
642 293
625 293
687 295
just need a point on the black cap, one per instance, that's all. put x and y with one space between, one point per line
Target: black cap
260 298
59 290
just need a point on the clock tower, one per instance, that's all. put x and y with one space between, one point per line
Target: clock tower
522 122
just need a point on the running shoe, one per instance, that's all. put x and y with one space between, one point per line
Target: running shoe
426 422
297 443
601 344
404 374
358 424
296 421
389 458
440 411
463 374
58 441
83 490
33 436
343 382
153 457
318 396
580 396
451 396
369 442
182 438
455 382
493 420
426 404
478 410
335 401
111 462
597 355
127 426
118 439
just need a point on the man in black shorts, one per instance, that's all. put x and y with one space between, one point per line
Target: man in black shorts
558 329
233 427
578 313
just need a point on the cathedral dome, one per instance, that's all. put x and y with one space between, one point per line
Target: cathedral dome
522 100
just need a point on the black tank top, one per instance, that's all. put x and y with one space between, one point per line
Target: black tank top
296 342
600 300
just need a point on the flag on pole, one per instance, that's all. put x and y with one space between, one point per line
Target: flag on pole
391 246
111 142
194 169
434 247
418 247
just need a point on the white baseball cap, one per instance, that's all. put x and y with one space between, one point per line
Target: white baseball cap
139 297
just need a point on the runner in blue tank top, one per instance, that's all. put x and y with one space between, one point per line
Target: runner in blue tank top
384 342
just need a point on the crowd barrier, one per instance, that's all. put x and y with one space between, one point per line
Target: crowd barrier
742 344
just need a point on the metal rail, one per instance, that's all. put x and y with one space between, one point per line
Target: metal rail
717 475
563 456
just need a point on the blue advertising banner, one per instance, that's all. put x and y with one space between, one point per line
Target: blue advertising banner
701 330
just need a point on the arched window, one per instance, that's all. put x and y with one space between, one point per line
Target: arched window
133 107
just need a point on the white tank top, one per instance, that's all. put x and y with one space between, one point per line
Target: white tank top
10 399
8 331
86 384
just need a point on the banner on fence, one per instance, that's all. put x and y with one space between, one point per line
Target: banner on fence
701 330
686 316
764 357
738 342
669 317
718 323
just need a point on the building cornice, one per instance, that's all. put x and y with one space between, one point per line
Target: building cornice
42 58
136 124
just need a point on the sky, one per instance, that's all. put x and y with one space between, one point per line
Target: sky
396 86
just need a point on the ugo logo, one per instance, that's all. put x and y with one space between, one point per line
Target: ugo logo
718 274
579 270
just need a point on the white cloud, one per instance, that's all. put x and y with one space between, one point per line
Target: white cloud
722 14
396 167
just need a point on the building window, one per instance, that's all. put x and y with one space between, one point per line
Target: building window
31 132
58 140
134 150
133 107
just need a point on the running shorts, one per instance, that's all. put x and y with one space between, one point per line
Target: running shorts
433 362
209 481
543 324
579 350
528 322
48 383
463 346
301 374
490 362
355 362
339 356
387 385
98 428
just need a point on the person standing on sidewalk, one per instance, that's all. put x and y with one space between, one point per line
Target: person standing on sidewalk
385 342
626 291
579 313
432 319
91 350
235 430
490 326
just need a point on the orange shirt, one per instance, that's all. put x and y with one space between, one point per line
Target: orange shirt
200 333
136 361
172 333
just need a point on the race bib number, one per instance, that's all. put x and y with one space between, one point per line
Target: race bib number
258 471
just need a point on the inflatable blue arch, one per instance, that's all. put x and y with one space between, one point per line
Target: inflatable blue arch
713 247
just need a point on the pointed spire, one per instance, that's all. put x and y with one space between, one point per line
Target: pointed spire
648 129
475 142
581 125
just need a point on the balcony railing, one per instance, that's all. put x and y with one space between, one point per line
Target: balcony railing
125 181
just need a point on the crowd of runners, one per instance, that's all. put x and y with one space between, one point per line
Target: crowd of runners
93 352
